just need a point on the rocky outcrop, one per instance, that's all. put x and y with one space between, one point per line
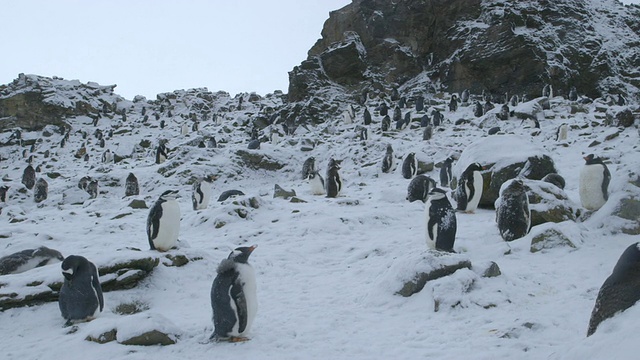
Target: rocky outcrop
548 203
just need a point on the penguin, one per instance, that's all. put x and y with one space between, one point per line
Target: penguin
41 190
386 123
333 183
621 100
387 160
131 187
514 101
427 133
162 124
561 132
308 167
437 116
453 103
316 183
445 172
513 215
81 294
478 110
494 130
425 121
363 133
469 190
86 157
594 183
555 179
383 109
488 106
419 188
184 130
367 117
107 156
504 112
419 103
84 182
547 91
407 119
29 259
440 221
402 102
211 143
195 126
397 117
234 299
409 166
161 153
229 193
163 222
3 193
464 97
202 192
573 94
92 189
620 291
29 177
346 117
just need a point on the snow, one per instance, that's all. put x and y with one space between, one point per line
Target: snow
327 270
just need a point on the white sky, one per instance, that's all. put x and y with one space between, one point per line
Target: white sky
149 47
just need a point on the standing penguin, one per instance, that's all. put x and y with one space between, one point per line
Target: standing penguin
512 210
409 166
333 183
184 129
107 157
163 222
594 183
202 192
437 116
3 193
308 167
419 188
316 183
234 299
419 103
367 117
573 94
161 153
131 187
547 91
386 123
81 294
427 133
41 190
620 291
464 97
29 177
445 172
387 160
478 110
469 190
561 132
440 220
92 189
453 103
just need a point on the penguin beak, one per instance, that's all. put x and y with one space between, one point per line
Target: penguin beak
586 158
252 247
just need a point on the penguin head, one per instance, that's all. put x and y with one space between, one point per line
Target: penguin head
169 195
437 194
71 264
241 254
592 159
475 167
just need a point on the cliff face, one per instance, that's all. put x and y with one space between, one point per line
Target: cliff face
499 46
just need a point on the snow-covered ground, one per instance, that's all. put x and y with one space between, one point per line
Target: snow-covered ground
327 269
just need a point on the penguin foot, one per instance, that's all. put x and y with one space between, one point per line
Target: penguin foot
231 339
235 339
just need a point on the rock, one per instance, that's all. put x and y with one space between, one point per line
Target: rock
550 238
147 329
258 161
425 166
138 204
149 338
622 118
629 208
344 62
548 203
279 192
103 338
489 270
131 308
126 274
229 193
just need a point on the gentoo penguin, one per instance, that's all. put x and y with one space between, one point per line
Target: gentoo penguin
573 94
453 103
512 210
316 183
202 192
478 110
469 190
308 167
107 157
92 189
488 106
28 259
464 97
425 121
184 130
40 190
233 297
504 112
419 103
81 294
387 160
229 193
86 157
514 101
3 193
547 91
409 166
406 121
367 117
555 179
437 117
211 143
84 182
29 177
445 172
163 222
383 109
419 188
131 187
594 183
620 291
363 133
427 133
440 220
161 153
621 100
386 123
333 183
397 117
561 132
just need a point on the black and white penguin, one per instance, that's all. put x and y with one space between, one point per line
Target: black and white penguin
363 133
383 109
387 160
229 193
504 112
512 210
622 101
573 94
488 106
620 291
333 182
84 182
131 187
234 298
386 123
561 132
420 187
184 129
419 103
464 97
92 189
407 120
367 117
469 190
453 103
40 190
308 167
555 179
107 157
478 110
29 259
547 91
437 117
81 294
427 133
425 121
316 183
514 101
440 221
161 153
594 183
445 172
397 117
409 166
163 222
29 177
202 192
3 193
86 157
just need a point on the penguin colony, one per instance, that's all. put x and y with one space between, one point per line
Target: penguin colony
233 292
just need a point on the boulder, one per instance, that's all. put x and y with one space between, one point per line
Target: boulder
548 203
550 238
258 161
279 192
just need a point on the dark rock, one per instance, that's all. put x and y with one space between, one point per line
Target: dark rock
629 209
548 203
258 161
279 192
138 204
150 338
434 266
227 194
103 338
493 270
550 239
131 308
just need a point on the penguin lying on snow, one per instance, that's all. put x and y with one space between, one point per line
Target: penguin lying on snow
594 183
163 222
28 259
81 294
233 297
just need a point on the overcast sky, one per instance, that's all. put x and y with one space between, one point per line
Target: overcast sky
148 47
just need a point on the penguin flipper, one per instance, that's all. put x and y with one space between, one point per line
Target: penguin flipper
95 284
605 183
237 294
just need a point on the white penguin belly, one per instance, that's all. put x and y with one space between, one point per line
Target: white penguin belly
431 243
169 228
247 277
206 195
591 178
317 188
472 203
